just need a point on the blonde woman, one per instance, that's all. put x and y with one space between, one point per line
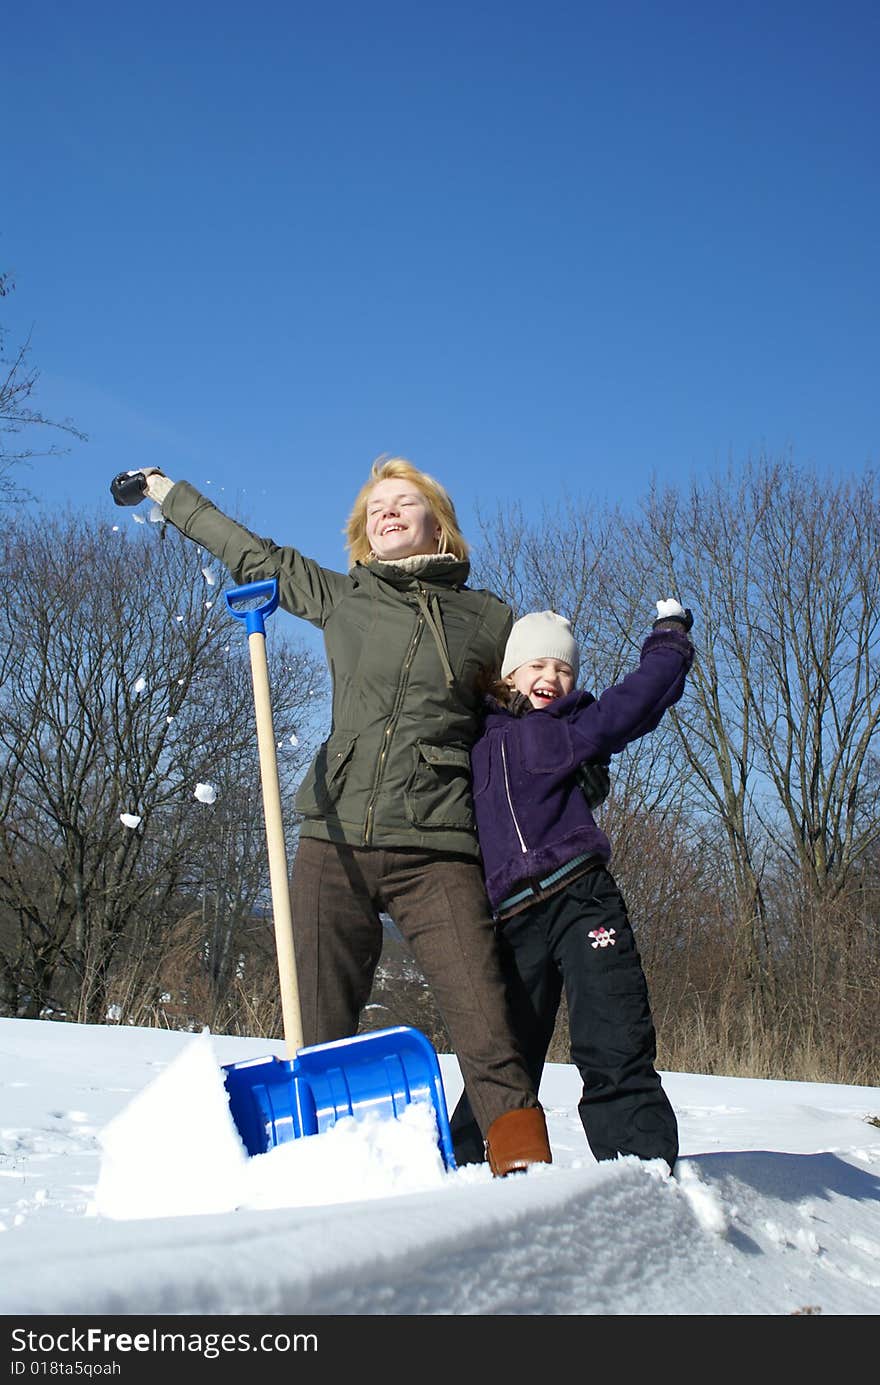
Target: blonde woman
386 805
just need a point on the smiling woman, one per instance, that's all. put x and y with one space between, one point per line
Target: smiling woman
402 507
400 522
387 804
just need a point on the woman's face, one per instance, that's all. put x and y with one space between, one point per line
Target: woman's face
399 520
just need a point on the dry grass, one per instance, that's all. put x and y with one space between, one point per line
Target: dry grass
729 1040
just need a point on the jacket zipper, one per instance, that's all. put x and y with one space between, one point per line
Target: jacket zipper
389 729
522 843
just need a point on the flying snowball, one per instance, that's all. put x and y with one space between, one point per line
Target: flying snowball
140 685
206 793
138 519
209 576
129 819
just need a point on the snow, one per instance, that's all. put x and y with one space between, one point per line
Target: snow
205 793
124 1188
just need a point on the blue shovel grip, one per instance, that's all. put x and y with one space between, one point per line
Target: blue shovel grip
253 617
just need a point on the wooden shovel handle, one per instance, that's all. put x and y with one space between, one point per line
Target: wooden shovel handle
278 879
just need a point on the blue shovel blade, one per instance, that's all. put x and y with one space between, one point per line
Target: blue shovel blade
273 1100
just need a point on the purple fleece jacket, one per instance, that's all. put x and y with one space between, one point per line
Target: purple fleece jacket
531 813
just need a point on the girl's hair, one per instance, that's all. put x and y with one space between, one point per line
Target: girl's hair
499 688
442 508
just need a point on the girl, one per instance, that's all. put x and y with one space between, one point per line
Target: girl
387 805
561 919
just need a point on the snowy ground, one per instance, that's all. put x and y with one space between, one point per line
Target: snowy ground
123 1190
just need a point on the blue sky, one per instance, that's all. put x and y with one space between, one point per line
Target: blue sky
538 249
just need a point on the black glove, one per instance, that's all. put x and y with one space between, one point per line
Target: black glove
671 612
595 782
129 487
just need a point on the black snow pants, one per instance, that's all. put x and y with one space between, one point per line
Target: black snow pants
581 938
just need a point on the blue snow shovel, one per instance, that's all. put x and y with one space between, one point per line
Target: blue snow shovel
273 1100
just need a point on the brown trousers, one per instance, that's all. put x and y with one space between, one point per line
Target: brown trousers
438 902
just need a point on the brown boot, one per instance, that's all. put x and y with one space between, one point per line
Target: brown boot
516 1140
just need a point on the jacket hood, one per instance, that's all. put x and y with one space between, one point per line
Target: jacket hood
442 568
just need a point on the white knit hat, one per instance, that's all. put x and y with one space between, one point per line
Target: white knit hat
540 635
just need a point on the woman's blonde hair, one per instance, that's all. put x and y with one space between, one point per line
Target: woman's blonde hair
451 538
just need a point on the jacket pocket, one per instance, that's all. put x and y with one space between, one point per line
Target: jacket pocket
439 790
323 785
546 745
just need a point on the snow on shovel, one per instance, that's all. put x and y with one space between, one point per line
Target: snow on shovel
273 1100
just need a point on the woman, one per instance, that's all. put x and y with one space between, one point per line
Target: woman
387 807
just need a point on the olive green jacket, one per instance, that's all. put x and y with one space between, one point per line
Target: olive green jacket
405 645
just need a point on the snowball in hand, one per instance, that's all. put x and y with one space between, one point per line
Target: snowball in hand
667 609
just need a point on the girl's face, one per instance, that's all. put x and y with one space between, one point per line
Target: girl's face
542 681
399 520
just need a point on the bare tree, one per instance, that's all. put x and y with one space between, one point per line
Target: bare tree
18 382
782 721
124 686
